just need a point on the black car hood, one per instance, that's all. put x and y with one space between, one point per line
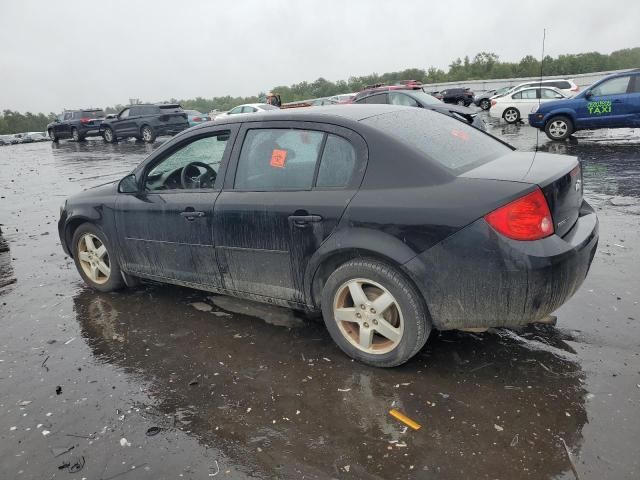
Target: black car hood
446 107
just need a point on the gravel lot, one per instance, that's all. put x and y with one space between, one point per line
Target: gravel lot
239 390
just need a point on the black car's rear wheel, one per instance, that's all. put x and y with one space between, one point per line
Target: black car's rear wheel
558 128
511 115
147 134
485 104
461 102
108 135
52 135
374 313
92 254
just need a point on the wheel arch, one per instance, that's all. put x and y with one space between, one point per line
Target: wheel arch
72 225
561 112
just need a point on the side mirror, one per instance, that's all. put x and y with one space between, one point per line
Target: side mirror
128 184
588 94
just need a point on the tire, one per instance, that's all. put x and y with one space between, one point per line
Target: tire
558 128
98 267
460 102
52 135
511 115
485 104
147 134
405 317
76 135
109 136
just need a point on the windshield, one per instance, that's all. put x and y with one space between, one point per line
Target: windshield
440 138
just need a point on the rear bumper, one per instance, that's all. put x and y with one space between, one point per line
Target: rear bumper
171 129
478 278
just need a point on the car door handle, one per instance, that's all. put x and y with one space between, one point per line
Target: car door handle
192 215
303 221
617 101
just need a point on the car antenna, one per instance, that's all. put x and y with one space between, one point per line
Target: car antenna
544 37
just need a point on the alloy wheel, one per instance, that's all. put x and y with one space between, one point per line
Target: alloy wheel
76 135
558 128
94 258
146 134
368 316
108 135
511 115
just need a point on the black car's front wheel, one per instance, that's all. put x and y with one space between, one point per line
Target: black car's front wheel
52 135
147 134
485 104
94 259
108 135
374 313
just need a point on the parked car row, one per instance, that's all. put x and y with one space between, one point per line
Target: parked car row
143 122
27 137
554 107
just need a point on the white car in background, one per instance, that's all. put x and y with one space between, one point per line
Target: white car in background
519 104
567 87
248 108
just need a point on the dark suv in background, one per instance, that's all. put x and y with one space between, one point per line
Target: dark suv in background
76 124
145 122
459 96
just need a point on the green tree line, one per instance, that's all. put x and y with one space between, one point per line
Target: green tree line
483 66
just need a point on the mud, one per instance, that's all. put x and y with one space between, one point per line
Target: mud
240 390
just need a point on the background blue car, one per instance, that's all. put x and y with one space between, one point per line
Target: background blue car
613 102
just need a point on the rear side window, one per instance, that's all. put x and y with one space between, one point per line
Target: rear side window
278 159
440 138
561 85
396 98
170 109
380 98
337 164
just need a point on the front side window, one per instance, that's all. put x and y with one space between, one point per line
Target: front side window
194 166
124 113
278 159
615 86
396 98
525 94
67 116
236 110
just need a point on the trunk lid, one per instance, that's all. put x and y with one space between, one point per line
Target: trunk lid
559 177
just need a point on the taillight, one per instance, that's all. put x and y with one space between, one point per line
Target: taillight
197 119
575 88
85 120
527 218
493 102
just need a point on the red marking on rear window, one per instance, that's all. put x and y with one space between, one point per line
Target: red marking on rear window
278 158
460 134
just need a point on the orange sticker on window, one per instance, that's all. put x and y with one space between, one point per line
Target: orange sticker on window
278 158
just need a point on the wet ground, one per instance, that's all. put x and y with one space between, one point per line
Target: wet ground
166 382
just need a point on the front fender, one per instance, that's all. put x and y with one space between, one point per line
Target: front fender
567 112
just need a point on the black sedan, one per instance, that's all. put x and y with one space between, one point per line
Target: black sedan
391 221
419 98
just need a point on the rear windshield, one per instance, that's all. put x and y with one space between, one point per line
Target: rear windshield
92 114
440 138
266 106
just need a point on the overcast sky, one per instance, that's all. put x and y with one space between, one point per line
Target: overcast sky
57 54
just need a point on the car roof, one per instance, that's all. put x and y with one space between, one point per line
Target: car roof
340 113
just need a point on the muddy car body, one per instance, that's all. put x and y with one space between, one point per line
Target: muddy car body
389 220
